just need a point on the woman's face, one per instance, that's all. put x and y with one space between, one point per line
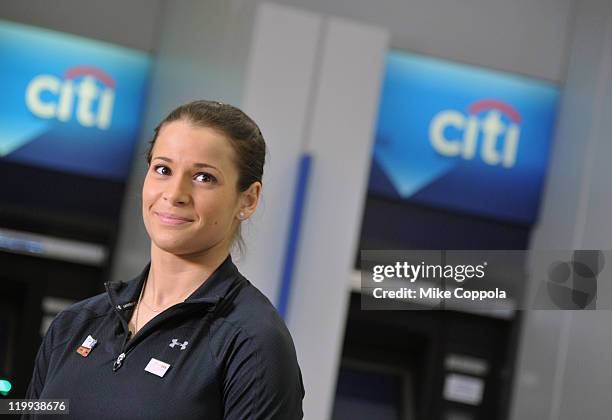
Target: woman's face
192 176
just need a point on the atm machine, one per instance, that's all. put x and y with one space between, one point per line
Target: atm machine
69 124
427 364
459 160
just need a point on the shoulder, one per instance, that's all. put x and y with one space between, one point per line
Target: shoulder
251 317
261 375
92 307
248 327
77 314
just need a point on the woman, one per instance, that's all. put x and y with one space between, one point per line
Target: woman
189 337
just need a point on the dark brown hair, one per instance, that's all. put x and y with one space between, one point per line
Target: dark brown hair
242 132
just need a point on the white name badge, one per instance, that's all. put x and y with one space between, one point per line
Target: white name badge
157 367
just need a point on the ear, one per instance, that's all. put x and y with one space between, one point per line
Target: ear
249 200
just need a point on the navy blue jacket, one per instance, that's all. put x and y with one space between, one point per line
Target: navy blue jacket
230 355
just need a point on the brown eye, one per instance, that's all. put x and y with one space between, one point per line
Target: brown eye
156 168
206 177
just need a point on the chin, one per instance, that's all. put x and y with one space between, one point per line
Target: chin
173 247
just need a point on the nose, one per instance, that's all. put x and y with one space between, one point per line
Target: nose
177 191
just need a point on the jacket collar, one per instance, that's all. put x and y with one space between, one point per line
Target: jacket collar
124 295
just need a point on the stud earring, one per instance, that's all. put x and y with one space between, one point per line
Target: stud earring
241 215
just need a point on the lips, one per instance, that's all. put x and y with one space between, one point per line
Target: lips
172 219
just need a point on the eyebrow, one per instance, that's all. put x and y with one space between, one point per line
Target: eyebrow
195 165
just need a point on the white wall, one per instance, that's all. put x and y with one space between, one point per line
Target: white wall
339 138
565 366
278 91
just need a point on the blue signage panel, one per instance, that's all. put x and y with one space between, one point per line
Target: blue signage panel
69 103
462 137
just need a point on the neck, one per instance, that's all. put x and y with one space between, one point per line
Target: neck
172 278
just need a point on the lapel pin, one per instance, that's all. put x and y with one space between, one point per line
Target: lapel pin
85 348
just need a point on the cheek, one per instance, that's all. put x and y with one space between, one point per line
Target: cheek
148 197
217 211
149 191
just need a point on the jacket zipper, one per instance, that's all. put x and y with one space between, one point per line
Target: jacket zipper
119 361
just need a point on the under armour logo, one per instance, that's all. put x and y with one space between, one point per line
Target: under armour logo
176 343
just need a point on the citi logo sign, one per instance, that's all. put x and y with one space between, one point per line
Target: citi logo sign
76 95
454 134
